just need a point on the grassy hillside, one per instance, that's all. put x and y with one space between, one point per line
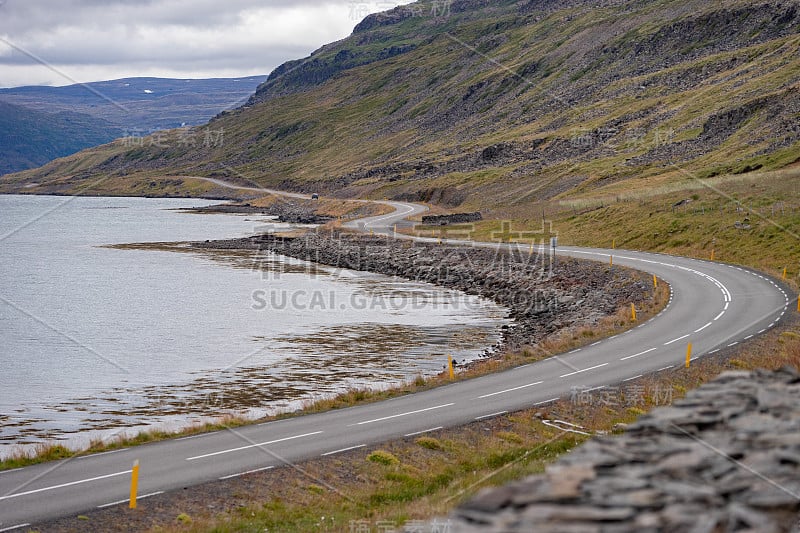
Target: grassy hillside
501 106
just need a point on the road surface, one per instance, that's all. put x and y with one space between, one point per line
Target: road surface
713 306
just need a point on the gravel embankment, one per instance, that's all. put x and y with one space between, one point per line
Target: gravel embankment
725 458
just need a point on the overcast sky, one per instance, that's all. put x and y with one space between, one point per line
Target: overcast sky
60 42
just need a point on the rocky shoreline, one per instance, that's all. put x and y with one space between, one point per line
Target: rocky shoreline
724 458
290 213
541 299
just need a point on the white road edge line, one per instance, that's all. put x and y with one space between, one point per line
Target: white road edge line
101 453
498 413
71 483
637 354
26 524
510 390
248 472
634 377
142 497
402 414
342 450
547 401
437 428
584 370
252 446
195 436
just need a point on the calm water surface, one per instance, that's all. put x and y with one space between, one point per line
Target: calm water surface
95 341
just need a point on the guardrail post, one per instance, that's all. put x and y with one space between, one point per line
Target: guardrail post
134 483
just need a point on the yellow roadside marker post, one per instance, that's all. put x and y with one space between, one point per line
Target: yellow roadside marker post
614 244
134 483
450 366
655 282
689 355
611 260
784 273
712 254
633 312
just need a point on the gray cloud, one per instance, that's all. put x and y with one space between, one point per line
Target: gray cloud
89 40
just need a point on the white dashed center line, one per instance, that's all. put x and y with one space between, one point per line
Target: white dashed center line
402 414
584 370
240 448
510 390
637 354
676 340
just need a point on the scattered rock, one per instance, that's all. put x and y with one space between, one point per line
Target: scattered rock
680 468
455 218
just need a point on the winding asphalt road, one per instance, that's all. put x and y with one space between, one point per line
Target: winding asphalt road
713 306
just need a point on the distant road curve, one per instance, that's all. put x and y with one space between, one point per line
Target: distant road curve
713 306
401 212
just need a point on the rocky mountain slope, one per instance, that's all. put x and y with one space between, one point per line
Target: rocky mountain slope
507 102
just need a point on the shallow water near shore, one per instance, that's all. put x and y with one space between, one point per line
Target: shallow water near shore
98 340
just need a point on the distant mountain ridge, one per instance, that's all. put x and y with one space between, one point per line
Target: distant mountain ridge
143 104
39 123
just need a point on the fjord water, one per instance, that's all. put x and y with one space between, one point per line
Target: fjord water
97 340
